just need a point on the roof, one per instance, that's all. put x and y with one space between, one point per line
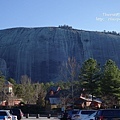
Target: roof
8 83
54 88
95 99
55 94
55 100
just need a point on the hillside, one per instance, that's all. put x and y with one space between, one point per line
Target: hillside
39 52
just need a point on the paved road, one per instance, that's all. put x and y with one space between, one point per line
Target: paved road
40 118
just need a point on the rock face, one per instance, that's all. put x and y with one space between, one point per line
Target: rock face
39 52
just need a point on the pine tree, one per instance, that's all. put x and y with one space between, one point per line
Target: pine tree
89 76
110 82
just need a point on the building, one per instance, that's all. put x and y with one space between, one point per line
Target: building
8 97
52 99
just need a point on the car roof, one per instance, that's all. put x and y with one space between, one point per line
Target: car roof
87 110
109 112
109 109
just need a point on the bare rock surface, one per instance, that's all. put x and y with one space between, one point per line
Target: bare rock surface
39 52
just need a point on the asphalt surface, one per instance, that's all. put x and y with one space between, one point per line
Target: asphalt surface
40 118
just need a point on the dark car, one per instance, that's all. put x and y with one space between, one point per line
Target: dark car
17 112
72 112
67 115
108 114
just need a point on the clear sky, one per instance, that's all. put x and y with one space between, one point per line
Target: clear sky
91 15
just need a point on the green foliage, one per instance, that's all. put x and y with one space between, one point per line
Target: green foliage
89 76
48 84
12 81
104 83
39 93
60 84
19 91
110 82
31 93
2 81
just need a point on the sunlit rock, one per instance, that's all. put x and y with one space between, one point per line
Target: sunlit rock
39 52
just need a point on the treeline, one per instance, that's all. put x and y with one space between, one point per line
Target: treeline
111 32
90 78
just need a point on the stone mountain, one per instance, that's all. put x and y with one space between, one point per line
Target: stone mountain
39 52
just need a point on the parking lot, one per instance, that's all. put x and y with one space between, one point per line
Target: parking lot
40 118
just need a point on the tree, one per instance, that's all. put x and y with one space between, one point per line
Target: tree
31 93
27 89
39 93
48 85
2 82
69 71
12 81
89 76
19 91
110 82
64 98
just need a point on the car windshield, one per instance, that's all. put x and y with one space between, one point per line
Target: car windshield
3 113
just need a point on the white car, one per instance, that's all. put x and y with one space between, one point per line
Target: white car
90 117
14 117
82 114
5 115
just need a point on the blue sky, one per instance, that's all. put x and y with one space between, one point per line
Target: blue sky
91 15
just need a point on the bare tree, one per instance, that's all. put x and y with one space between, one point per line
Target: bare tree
70 72
64 98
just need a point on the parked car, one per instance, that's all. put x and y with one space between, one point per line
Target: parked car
82 114
5 115
60 115
65 116
14 117
90 116
17 112
108 114
72 112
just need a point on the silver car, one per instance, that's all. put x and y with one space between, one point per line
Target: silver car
82 114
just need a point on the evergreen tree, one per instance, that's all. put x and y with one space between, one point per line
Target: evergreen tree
2 82
89 76
27 89
110 82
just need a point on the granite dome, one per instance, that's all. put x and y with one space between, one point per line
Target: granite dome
39 52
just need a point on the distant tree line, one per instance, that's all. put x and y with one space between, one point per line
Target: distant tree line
90 78
65 26
111 32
